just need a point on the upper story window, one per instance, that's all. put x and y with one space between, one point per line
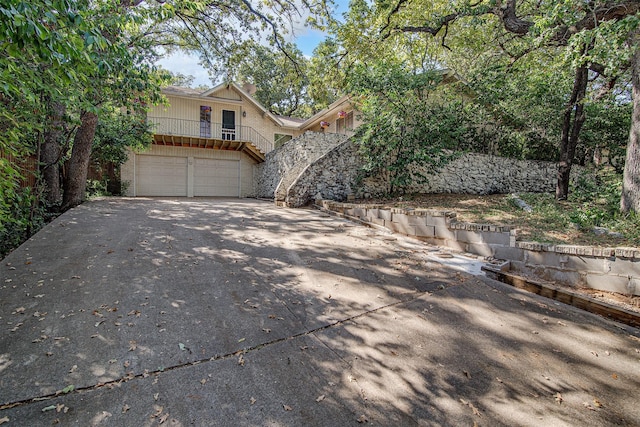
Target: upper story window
345 124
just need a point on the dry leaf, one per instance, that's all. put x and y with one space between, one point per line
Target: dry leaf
594 353
126 364
163 418
253 401
4 420
267 330
466 374
158 410
125 408
72 370
132 345
241 360
471 405
589 407
320 398
559 398
597 403
614 376
363 419
203 381
156 396
287 408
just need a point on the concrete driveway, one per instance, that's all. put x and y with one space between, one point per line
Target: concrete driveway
140 312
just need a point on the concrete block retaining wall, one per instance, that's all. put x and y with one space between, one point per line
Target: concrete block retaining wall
608 269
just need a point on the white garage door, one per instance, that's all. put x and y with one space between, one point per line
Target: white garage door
161 176
216 178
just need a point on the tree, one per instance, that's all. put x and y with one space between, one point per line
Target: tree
402 130
590 32
630 199
281 79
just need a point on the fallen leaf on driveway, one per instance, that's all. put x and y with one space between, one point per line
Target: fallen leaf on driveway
253 401
363 419
132 345
4 420
559 398
158 410
125 408
614 376
320 398
287 408
472 406
19 310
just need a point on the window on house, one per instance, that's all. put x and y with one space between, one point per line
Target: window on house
279 139
345 124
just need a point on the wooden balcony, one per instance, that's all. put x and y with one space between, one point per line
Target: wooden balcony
195 134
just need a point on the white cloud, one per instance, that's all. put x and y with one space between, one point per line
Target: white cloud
188 64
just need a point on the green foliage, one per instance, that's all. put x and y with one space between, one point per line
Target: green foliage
22 220
598 197
97 188
116 133
280 78
605 133
401 131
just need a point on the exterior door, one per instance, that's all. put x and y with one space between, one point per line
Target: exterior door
205 121
228 125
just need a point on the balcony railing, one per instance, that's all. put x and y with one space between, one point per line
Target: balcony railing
219 131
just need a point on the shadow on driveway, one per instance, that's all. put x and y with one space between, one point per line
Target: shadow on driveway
234 312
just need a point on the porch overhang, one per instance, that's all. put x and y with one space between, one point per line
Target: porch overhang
210 143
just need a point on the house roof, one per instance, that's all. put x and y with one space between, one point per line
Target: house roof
292 122
184 91
194 93
245 95
322 114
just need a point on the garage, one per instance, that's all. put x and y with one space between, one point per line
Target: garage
186 176
215 177
161 176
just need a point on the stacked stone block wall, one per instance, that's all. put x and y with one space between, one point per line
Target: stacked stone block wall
608 269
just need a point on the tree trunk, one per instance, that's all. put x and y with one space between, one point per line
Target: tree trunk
76 179
630 198
50 154
574 117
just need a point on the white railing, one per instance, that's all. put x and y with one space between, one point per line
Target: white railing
194 128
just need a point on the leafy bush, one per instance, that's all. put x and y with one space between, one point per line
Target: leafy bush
26 217
598 198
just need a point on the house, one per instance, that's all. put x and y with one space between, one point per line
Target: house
207 143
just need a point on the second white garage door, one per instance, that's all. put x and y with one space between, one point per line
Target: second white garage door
213 177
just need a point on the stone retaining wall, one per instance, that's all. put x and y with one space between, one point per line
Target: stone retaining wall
609 269
286 162
324 165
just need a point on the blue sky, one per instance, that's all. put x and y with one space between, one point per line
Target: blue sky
307 39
